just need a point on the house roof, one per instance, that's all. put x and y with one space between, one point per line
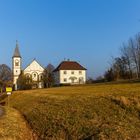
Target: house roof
16 52
69 65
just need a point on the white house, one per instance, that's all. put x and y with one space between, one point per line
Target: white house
34 70
70 72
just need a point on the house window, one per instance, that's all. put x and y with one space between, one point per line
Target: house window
72 72
80 72
65 72
65 79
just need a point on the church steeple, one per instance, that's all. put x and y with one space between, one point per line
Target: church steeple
16 52
16 65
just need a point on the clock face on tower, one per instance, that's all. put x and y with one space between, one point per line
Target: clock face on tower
16 62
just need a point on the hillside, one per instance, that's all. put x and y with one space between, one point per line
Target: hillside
82 112
14 127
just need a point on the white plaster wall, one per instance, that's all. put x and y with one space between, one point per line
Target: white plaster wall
16 69
69 74
34 68
15 80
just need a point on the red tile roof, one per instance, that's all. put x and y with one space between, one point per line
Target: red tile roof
69 65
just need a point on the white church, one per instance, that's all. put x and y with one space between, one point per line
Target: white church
34 70
67 72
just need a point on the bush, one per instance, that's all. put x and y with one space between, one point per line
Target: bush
24 82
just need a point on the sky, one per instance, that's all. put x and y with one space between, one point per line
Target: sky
87 31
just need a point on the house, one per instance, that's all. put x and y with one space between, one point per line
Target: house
34 70
70 72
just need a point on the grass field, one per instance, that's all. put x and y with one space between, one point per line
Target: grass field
14 127
97 111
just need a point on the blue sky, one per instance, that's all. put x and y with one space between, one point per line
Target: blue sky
87 31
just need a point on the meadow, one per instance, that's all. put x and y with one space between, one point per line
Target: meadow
99 111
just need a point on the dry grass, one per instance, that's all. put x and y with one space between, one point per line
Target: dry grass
82 112
14 127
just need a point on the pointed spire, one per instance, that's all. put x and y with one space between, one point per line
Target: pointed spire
16 52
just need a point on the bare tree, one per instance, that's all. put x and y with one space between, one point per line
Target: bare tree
5 73
126 54
109 75
137 38
50 68
48 76
5 77
133 50
128 64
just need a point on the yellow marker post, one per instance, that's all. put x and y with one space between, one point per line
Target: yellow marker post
9 92
9 89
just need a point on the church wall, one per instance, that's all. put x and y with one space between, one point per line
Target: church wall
34 66
31 73
16 65
35 71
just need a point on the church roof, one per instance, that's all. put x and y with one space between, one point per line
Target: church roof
16 52
69 65
36 63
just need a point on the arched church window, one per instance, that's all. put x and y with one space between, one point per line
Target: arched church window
34 76
27 76
41 77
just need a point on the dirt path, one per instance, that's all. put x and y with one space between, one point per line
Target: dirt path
14 127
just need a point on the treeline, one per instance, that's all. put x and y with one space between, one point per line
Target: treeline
127 66
5 77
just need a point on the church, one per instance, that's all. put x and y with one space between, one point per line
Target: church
34 70
66 73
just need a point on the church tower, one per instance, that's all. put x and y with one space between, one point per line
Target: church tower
16 65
